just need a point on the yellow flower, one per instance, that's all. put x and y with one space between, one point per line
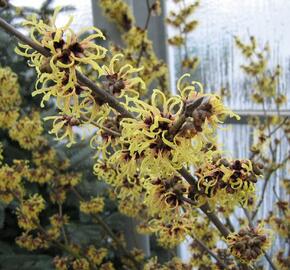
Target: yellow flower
61 263
131 206
62 127
31 243
94 206
44 155
62 184
81 264
176 41
281 260
40 175
56 223
107 266
164 195
145 139
122 81
57 73
280 225
71 97
28 212
27 131
65 46
135 38
223 179
11 180
10 98
173 231
96 255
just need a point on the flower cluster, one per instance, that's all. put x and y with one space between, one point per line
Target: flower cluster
280 223
120 78
11 180
156 144
118 12
180 21
9 98
62 184
27 131
28 212
94 257
234 177
249 243
266 85
94 206
57 73
138 49
171 232
31 243
174 263
164 195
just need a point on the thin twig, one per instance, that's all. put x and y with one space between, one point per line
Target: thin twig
108 130
142 50
62 225
205 248
278 127
266 181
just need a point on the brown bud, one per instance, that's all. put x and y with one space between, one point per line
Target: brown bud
242 232
248 254
225 162
254 254
262 238
257 250
45 66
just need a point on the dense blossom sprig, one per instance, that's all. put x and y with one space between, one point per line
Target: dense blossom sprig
141 156
9 98
249 243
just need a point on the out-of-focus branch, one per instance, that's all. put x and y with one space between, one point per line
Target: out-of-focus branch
267 180
212 254
142 49
278 127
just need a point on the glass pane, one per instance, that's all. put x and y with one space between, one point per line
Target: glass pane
213 43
